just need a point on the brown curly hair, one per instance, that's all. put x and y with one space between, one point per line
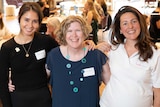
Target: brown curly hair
62 29
144 44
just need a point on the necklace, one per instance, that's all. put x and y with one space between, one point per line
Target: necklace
68 56
27 50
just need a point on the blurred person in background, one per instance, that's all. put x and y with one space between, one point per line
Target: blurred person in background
46 10
106 18
157 8
147 18
5 34
92 19
52 25
154 27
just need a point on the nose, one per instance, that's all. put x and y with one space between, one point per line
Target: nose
130 25
30 24
74 33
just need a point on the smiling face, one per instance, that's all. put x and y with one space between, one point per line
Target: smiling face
129 26
29 23
74 35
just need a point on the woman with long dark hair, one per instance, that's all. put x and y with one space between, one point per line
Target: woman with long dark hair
134 63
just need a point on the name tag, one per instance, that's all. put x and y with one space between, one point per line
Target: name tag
40 54
89 72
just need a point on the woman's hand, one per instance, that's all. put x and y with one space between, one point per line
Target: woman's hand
104 47
90 44
47 71
11 87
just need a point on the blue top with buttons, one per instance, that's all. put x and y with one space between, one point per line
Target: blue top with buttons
75 84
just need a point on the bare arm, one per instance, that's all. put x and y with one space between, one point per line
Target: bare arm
104 47
89 17
156 92
47 71
90 44
106 73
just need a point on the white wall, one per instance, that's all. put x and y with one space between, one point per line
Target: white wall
139 4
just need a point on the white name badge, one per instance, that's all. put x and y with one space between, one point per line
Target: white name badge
40 54
89 72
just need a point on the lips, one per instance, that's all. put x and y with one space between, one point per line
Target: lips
74 40
131 31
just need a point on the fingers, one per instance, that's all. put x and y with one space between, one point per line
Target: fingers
104 47
11 87
91 47
90 44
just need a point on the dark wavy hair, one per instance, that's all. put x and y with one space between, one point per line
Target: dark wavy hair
27 6
144 44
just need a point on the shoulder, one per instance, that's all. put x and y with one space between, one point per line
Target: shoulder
155 59
156 55
42 37
46 40
54 51
99 57
9 43
8 46
156 51
97 53
54 54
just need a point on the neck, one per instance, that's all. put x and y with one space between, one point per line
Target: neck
22 39
130 43
130 48
75 54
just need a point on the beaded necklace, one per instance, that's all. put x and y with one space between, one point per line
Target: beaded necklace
83 60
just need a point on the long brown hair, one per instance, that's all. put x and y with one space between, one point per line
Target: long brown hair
144 44
91 8
27 6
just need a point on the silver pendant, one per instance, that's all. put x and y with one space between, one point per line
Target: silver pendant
27 55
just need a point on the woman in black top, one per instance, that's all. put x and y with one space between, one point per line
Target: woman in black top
106 19
46 9
25 56
92 19
154 28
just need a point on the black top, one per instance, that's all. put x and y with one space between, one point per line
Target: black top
28 73
104 7
94 25
153 30
46 12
